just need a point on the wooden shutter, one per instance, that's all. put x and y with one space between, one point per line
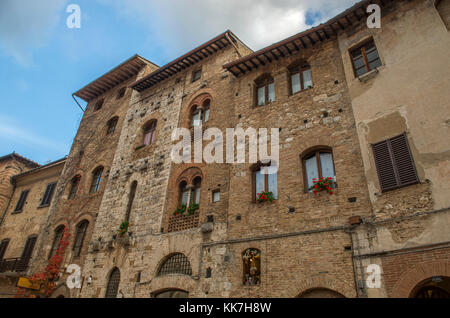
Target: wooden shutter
48 194
394 162
21 202
79 238
3 247
28 249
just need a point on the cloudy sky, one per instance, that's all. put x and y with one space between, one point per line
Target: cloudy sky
42 61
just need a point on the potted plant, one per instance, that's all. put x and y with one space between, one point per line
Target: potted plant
323 185
192 208
265 197
180 210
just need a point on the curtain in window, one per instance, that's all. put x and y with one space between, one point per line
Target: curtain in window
307 79
273 186
260 182
326 162
261 96
311 170
295 81
271 88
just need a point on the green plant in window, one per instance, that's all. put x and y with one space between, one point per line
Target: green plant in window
123 228
192 208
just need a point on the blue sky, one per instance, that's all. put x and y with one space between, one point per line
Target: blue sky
42 61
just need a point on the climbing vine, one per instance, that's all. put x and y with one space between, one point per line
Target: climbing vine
45 282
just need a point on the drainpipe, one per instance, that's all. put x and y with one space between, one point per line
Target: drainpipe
73 96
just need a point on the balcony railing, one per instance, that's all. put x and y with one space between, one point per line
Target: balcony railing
182 222
14 265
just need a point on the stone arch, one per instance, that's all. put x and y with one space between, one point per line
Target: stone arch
61 292
196 102
320 293
320 283
172 282
409 280
172 260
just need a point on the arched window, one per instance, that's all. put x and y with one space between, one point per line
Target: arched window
195 116
264 181
206 105
57 238
130 200
113 284
195 193
111 125
251 259
98 105
318 164
265 90
74 186
96 180
184 193
79 237
175 264
149 132
300 77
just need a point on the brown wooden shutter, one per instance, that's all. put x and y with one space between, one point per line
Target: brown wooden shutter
3 246
394 162
48 194
21 202
29 246
79 238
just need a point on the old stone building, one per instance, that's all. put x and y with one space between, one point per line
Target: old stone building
24 218
367 109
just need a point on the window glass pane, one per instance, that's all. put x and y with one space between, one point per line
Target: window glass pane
261 96
197 196
216 196
273 187
196 120
206 115
260 182
295 81
361 71
359 62
357 54
147 138
311 170
326 162
271 92
307 79
375 64
184 197
372 55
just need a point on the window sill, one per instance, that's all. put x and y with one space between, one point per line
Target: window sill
43 206
302 91
140 147
17 212
368 76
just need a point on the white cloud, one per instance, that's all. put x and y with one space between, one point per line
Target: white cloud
181 25
11 129
26 25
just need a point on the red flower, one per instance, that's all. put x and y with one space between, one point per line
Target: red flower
316 186
331 192
315 192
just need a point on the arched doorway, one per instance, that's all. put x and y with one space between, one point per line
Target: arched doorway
320 293
434 287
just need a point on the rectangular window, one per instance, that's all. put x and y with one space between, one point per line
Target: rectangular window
196 75
265 182
28 249
365 58
216 196
22 200
48 194
395 163
3 246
